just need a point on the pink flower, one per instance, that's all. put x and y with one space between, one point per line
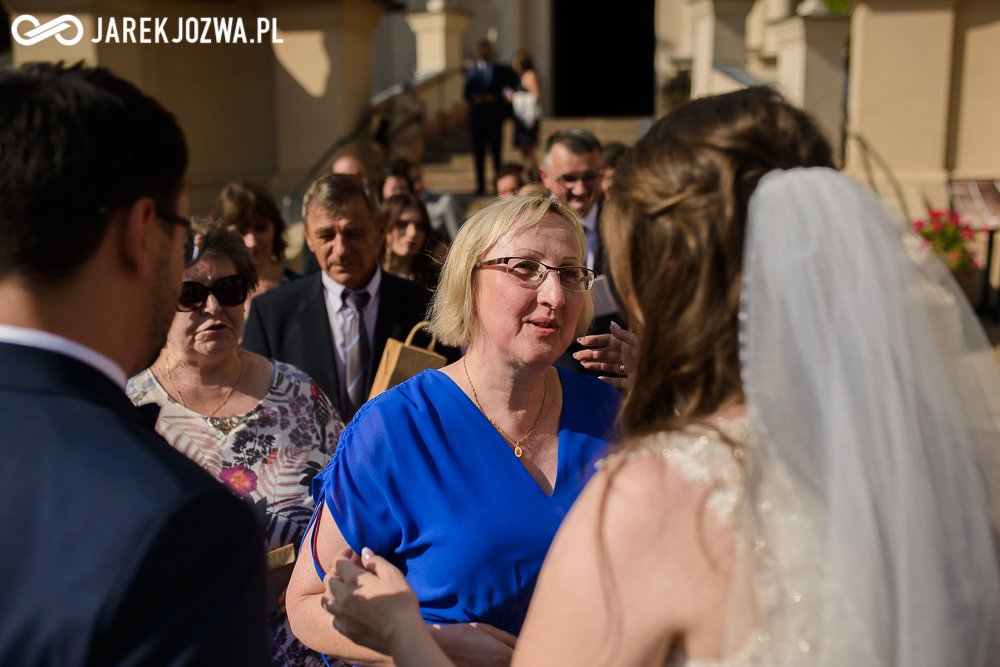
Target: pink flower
918 225
239 479
936 227
954 255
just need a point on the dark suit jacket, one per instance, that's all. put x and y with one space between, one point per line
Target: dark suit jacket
476 84
117 549
602 324
290 324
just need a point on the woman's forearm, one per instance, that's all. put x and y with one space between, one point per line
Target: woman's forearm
313 626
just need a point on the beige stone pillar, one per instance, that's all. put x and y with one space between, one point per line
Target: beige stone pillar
439 34
900 88
719 29
322 77
810 68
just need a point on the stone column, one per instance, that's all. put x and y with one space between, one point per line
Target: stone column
439 34
322 77
900 88
719 30
810 68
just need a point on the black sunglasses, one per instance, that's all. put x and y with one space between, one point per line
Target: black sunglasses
228 291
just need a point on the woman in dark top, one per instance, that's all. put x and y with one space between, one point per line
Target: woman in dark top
408 232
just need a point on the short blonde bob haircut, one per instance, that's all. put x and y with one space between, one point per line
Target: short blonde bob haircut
452 312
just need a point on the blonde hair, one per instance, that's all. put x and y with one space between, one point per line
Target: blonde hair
452 311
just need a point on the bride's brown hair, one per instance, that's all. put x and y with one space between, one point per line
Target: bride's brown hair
674 231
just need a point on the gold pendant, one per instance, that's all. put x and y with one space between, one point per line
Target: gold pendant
225 424
517 451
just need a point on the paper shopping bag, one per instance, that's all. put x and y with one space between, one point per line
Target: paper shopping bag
401 361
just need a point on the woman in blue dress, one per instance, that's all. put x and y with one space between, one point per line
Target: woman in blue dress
461 477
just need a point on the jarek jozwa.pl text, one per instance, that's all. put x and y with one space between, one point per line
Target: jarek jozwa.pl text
192 30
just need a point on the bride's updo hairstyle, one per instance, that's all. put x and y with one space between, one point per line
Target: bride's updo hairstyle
674 231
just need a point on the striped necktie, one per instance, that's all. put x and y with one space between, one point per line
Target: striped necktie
357 352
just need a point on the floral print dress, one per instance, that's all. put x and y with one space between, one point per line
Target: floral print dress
267 456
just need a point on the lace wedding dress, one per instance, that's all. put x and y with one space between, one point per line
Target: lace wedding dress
710 457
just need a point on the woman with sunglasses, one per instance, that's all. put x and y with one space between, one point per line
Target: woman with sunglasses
263 428
462 476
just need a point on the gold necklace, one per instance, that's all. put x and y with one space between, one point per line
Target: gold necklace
224 424
517 443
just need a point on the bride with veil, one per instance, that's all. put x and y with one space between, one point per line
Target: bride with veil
809 465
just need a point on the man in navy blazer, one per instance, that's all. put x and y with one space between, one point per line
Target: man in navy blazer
117 549
485 84
308 323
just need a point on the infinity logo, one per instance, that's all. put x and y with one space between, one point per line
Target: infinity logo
40 32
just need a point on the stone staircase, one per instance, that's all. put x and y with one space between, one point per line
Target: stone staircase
449 164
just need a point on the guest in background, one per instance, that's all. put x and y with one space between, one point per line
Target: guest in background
428 472
262 428
526 133
485 82
345 164
350 165
408 232
249 209
509 180
613 153
572 171
445 213
395 181
334 325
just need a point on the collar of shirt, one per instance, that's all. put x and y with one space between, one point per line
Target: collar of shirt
44 340
335 290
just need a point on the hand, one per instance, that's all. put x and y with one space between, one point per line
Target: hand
371 602
615 350
475 644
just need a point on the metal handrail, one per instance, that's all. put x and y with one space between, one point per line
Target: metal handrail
417 83
868 152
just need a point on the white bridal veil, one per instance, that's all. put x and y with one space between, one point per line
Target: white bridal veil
874 474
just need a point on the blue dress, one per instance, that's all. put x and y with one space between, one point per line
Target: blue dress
421 477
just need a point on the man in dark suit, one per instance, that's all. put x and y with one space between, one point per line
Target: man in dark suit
572 171
334 324
117 549
485 84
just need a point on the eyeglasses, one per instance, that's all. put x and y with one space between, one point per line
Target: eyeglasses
228 291
589 178
531 273
192 244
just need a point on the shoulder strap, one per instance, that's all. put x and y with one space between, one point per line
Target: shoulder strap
311 536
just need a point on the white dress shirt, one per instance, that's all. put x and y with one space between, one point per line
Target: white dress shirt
485 70
589 222
44 340
341 317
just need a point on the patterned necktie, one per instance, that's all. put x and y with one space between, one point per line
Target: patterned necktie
357 351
